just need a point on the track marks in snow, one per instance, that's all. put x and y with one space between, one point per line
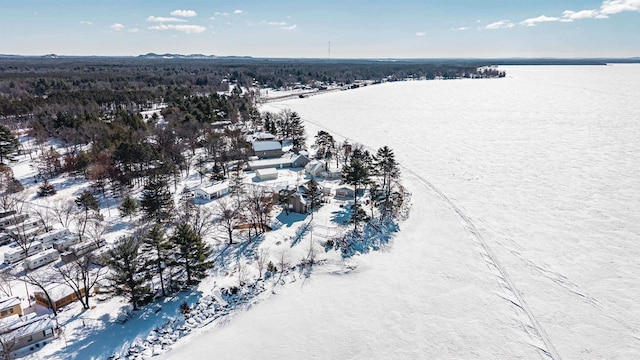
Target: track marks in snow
528 322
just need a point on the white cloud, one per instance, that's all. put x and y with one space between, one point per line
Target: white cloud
421 33
276 23
86 23
134 30
288 27
161 19
462 28
189 29
117 27
502 24
238 11
183 13
577 15
217 13
610 7
539 19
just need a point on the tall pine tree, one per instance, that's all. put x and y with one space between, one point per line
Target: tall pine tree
9 144
157 203
127 275
158 252
192 253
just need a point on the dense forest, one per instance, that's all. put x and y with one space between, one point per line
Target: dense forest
86 85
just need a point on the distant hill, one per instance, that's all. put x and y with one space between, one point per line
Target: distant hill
176 56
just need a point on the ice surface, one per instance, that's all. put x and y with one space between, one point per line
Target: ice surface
522 241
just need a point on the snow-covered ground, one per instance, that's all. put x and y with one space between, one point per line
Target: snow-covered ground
522 240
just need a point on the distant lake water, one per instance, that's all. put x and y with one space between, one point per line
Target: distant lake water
546 164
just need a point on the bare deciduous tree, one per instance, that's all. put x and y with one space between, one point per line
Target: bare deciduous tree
81 275
8 341
63 212
261 260
45 215
258 205
5 283
228 216
38 278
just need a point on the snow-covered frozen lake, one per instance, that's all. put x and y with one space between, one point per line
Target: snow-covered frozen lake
523 239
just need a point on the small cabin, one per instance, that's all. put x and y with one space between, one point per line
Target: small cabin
267 174
61 295
10 306
345 192
213 191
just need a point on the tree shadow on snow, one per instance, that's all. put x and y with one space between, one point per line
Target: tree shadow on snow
342 216
89 341
289 220
375 236
228 254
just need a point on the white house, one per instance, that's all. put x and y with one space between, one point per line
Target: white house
286 161
315 168
212 191
267 174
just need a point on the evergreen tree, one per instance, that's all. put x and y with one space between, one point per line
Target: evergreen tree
387 167
325 145
236 185
9 144
290 126
157 202
192 253
313 193
128 207
46 189
87 202
358 215
127 271
284 199
356 173
297 131
158 251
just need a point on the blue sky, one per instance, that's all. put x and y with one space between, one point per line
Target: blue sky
304 28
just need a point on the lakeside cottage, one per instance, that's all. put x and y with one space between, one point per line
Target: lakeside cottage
345 192
267 149
315 168
212 191
287 161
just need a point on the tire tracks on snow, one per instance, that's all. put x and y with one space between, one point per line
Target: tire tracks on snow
533 329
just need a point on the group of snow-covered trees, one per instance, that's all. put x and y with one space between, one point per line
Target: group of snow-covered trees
148 260
379 173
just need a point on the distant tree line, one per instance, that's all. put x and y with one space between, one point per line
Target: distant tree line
81 86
